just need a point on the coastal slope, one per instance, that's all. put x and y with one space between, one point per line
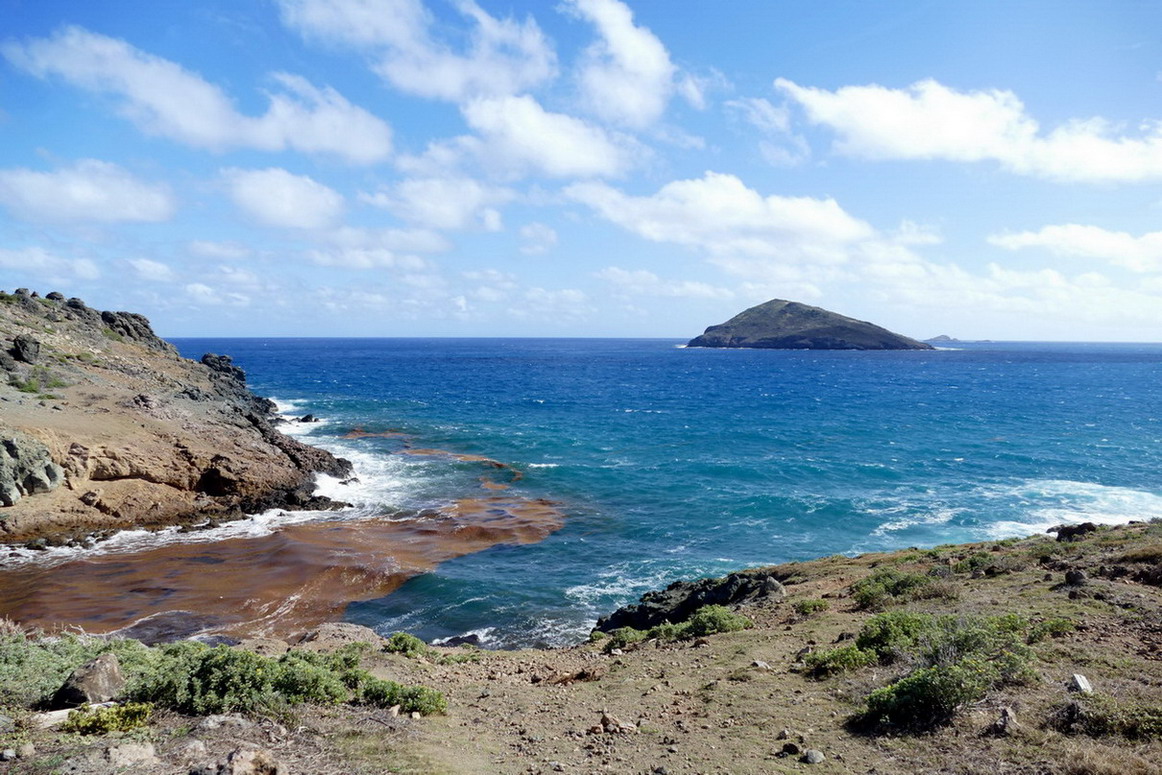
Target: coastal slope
103 425
788 325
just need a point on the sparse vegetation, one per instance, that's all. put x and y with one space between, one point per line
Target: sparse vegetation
810 606
101 721
890 585
1098 715
707 620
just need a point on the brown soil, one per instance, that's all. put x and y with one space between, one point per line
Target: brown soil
721 704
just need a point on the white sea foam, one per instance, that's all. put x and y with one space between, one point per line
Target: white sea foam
543 465
1051 502
1020 509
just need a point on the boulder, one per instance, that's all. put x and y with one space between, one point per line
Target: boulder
678 602
97 681
26 468
26 348
1073 532
243 761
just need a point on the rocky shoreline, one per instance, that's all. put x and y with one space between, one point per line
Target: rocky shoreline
104 426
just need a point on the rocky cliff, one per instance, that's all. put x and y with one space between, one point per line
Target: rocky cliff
103 425
789 325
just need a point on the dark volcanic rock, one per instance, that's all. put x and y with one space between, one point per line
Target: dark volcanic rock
26 348
136 328
789 325
677 602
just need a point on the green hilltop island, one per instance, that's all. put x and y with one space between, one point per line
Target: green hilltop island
788 325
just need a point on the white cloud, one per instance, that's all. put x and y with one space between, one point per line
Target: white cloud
537 238
444 202
275 197
202 294
38 262
151 270
567 305
781 147
407 240
719 214
639 282
520 135
90 190
165 99
500 56
367 258
222 250
627 76
928 120
1138 254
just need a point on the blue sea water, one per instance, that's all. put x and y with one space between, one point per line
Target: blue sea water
674 463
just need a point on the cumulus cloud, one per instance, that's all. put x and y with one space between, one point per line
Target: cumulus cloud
499 56
275 197
356 248
163 98
928 120
537 239
720 215
626 76
1138 254
151 270
38 262
639 282
203 295
89 190
519 135
444 202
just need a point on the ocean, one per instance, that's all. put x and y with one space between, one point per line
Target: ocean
593 470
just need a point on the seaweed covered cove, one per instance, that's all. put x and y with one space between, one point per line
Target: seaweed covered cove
640 462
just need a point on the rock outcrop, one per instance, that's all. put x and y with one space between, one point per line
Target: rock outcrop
789 325
103 425
677 602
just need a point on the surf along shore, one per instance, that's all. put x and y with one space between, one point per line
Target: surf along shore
1041 655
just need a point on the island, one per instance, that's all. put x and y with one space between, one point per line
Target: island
789 325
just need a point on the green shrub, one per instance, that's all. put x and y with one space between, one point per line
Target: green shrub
822 664
810 606
408 645
32 668
893 634
1050 628
101 721
369 690
932 695
888 585
624 636
302 679
712 619
1099 715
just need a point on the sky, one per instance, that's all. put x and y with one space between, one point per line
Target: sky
637 168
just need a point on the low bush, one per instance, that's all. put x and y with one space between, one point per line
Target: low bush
33 667
1050 628
932 695
1099 715
823 664
889 585
707 620
101 721
892 635
810 606
408 645
713 619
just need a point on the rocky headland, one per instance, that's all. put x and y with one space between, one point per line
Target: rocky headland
104 426
788 325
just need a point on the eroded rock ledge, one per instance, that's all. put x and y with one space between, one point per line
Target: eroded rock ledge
103 425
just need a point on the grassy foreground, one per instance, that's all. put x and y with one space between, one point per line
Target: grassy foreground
957 659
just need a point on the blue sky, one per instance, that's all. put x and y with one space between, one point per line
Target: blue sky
586 167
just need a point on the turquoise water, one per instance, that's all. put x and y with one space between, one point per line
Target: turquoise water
674 463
